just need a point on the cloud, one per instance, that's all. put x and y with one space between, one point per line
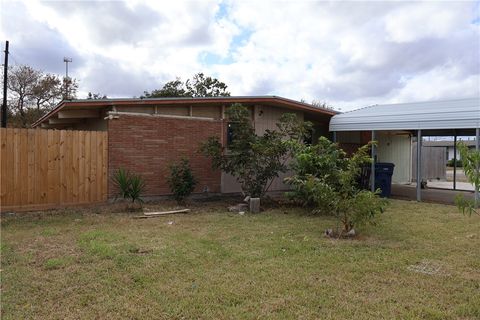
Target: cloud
346 53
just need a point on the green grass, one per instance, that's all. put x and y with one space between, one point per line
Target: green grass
422 261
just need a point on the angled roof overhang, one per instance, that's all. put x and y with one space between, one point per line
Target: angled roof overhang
86 104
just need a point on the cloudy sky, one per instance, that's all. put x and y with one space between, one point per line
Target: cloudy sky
348 54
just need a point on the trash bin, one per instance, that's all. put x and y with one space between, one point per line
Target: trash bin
383 178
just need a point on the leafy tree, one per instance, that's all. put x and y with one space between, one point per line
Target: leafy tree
326 180
171 89
33 93
471 167
198 86
96 96
255 160
201 86
181 180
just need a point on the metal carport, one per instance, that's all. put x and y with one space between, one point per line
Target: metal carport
460 117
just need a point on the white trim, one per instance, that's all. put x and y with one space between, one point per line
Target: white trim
138 114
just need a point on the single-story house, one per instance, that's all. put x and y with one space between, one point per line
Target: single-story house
147 135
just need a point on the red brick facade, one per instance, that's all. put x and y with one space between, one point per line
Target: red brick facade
147 145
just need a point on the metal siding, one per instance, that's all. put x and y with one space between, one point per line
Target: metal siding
451 114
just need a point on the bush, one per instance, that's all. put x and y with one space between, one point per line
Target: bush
181 180
450 163
130 186
471 159
326 180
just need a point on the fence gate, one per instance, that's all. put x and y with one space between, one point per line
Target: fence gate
43 169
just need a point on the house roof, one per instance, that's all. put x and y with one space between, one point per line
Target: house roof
431 115
86 104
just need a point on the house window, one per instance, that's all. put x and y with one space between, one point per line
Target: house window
230 132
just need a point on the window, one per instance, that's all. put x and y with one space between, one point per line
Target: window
230 130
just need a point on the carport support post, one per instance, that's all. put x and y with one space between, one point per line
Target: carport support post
455 161
372 169
419 165
477 147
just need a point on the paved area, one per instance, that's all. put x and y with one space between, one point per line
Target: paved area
449 185
408 192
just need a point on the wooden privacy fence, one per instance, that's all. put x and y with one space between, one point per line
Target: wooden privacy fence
434 162
48 168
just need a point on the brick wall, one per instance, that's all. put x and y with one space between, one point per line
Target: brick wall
147 145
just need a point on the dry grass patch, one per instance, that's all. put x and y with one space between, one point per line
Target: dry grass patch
213 264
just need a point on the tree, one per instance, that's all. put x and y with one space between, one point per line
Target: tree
33 93
96 96
326 180
198 86
252 159
170 89
471 167
201 86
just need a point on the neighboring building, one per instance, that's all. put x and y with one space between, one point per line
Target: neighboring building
449 148
147 135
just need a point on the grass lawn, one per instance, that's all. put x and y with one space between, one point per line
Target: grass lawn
422 261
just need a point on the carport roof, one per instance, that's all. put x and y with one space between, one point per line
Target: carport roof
431 115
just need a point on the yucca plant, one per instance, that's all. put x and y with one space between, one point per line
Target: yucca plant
137 186
121 179
130 186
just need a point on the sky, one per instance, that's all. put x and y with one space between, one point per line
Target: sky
346 54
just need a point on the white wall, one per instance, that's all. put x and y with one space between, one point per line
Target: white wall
396 148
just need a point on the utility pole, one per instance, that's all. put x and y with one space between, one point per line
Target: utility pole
66 60
5 78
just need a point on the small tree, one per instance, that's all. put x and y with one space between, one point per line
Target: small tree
181 180
471 167
326 180
252 159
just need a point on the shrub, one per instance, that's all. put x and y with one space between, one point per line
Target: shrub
181 180
471 162
130 186
450 163
326 180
